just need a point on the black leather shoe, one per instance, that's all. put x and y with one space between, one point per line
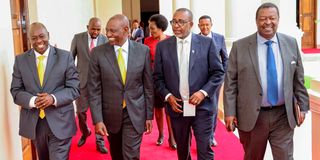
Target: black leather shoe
102 149
83 139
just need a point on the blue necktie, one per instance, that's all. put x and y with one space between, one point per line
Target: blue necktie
272 82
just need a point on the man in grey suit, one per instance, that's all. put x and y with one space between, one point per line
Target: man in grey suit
45 83
205 25
81 47
264 76
120 90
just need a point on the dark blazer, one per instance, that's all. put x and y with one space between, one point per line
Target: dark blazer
80 49
60 79
243 90
221 48
205 70
106 90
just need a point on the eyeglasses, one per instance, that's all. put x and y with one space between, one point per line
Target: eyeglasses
179 22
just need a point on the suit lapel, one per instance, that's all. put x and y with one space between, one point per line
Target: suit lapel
85 44
195 46
112 59
50 63
253 49
33 66
131 61
284 50
174 55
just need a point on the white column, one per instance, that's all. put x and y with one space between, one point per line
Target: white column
215 11
9 112
240 19
166 9
181 4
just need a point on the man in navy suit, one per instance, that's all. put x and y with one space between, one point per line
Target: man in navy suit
187 74
205 25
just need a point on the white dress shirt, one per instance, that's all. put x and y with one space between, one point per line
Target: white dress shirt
45 60
125 52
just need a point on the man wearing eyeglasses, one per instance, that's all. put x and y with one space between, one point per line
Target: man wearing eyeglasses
186 75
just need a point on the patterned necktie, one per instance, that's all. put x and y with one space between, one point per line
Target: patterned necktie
272 80
123 71
41 75
184 73
91 44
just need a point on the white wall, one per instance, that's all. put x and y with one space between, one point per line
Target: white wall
9 113
62 18
106 9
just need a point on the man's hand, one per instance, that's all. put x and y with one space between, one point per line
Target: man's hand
301 118
43 100
173 101
231 123
101 129
196 98
148 126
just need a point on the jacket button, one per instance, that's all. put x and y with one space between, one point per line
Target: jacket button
260 94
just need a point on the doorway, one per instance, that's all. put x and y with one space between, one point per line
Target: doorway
20 23
307 17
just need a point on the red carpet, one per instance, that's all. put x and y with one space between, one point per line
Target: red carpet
229 147
311 50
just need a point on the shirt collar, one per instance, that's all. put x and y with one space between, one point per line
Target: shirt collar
46 53
125 46
209 35
262 40
187 39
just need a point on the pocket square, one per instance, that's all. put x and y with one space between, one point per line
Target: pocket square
293 62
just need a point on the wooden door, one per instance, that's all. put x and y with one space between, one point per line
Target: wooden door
307 22
20 23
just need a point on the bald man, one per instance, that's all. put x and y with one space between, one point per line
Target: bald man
45 83
121 91
81 47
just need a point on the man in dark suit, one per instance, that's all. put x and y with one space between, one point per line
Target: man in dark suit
121 90
45 83
264 76
81 46
187 73
205 25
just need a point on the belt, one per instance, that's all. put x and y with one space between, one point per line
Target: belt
268 108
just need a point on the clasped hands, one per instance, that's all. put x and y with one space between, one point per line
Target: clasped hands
195 99
43 100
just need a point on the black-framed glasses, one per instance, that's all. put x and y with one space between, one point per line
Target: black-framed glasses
179 22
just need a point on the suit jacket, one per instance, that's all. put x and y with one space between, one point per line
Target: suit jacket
106 90
243 90
205 70
80 49
221 48
60 79
139 35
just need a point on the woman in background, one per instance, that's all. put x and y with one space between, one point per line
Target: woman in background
157 25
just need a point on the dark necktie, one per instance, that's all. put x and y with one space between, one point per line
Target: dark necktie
272 82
